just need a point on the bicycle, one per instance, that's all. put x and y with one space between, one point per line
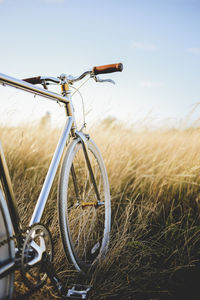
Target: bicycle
84 208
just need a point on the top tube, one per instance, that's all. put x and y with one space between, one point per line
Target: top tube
20 84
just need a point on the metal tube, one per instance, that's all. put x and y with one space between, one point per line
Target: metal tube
7 187
38 211
23 85
85 150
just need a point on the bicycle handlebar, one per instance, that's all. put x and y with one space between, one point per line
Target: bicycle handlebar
95 71
107 69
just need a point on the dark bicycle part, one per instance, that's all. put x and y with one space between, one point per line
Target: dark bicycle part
33 80
77 290
38 242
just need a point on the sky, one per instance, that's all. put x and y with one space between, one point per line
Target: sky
158 42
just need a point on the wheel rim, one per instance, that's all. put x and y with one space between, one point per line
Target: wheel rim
7 253
85 219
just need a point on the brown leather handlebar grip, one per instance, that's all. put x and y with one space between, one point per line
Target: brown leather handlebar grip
107 69
33 80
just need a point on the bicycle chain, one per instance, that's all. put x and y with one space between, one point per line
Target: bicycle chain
12 238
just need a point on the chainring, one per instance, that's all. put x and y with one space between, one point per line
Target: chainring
37 246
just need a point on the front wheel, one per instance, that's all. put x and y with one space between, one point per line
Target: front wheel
84 219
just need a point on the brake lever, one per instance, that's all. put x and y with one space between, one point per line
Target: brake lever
97 79
44 84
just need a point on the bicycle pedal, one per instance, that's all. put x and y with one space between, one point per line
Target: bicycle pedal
79 291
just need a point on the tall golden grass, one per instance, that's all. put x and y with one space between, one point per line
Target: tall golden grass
154 181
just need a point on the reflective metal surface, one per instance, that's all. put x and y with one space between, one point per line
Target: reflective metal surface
38 211
7 252
23 85
8 190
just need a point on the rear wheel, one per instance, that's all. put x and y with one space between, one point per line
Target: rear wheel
7 251
84 220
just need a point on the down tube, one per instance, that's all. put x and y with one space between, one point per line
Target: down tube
39 209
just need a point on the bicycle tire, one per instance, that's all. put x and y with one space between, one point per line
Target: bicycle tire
7 251
84 254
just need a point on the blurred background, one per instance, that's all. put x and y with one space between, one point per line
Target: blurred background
156 40
153 174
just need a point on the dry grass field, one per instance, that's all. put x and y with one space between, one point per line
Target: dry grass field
155 183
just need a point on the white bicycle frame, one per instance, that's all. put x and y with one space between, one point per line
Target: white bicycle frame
69 126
